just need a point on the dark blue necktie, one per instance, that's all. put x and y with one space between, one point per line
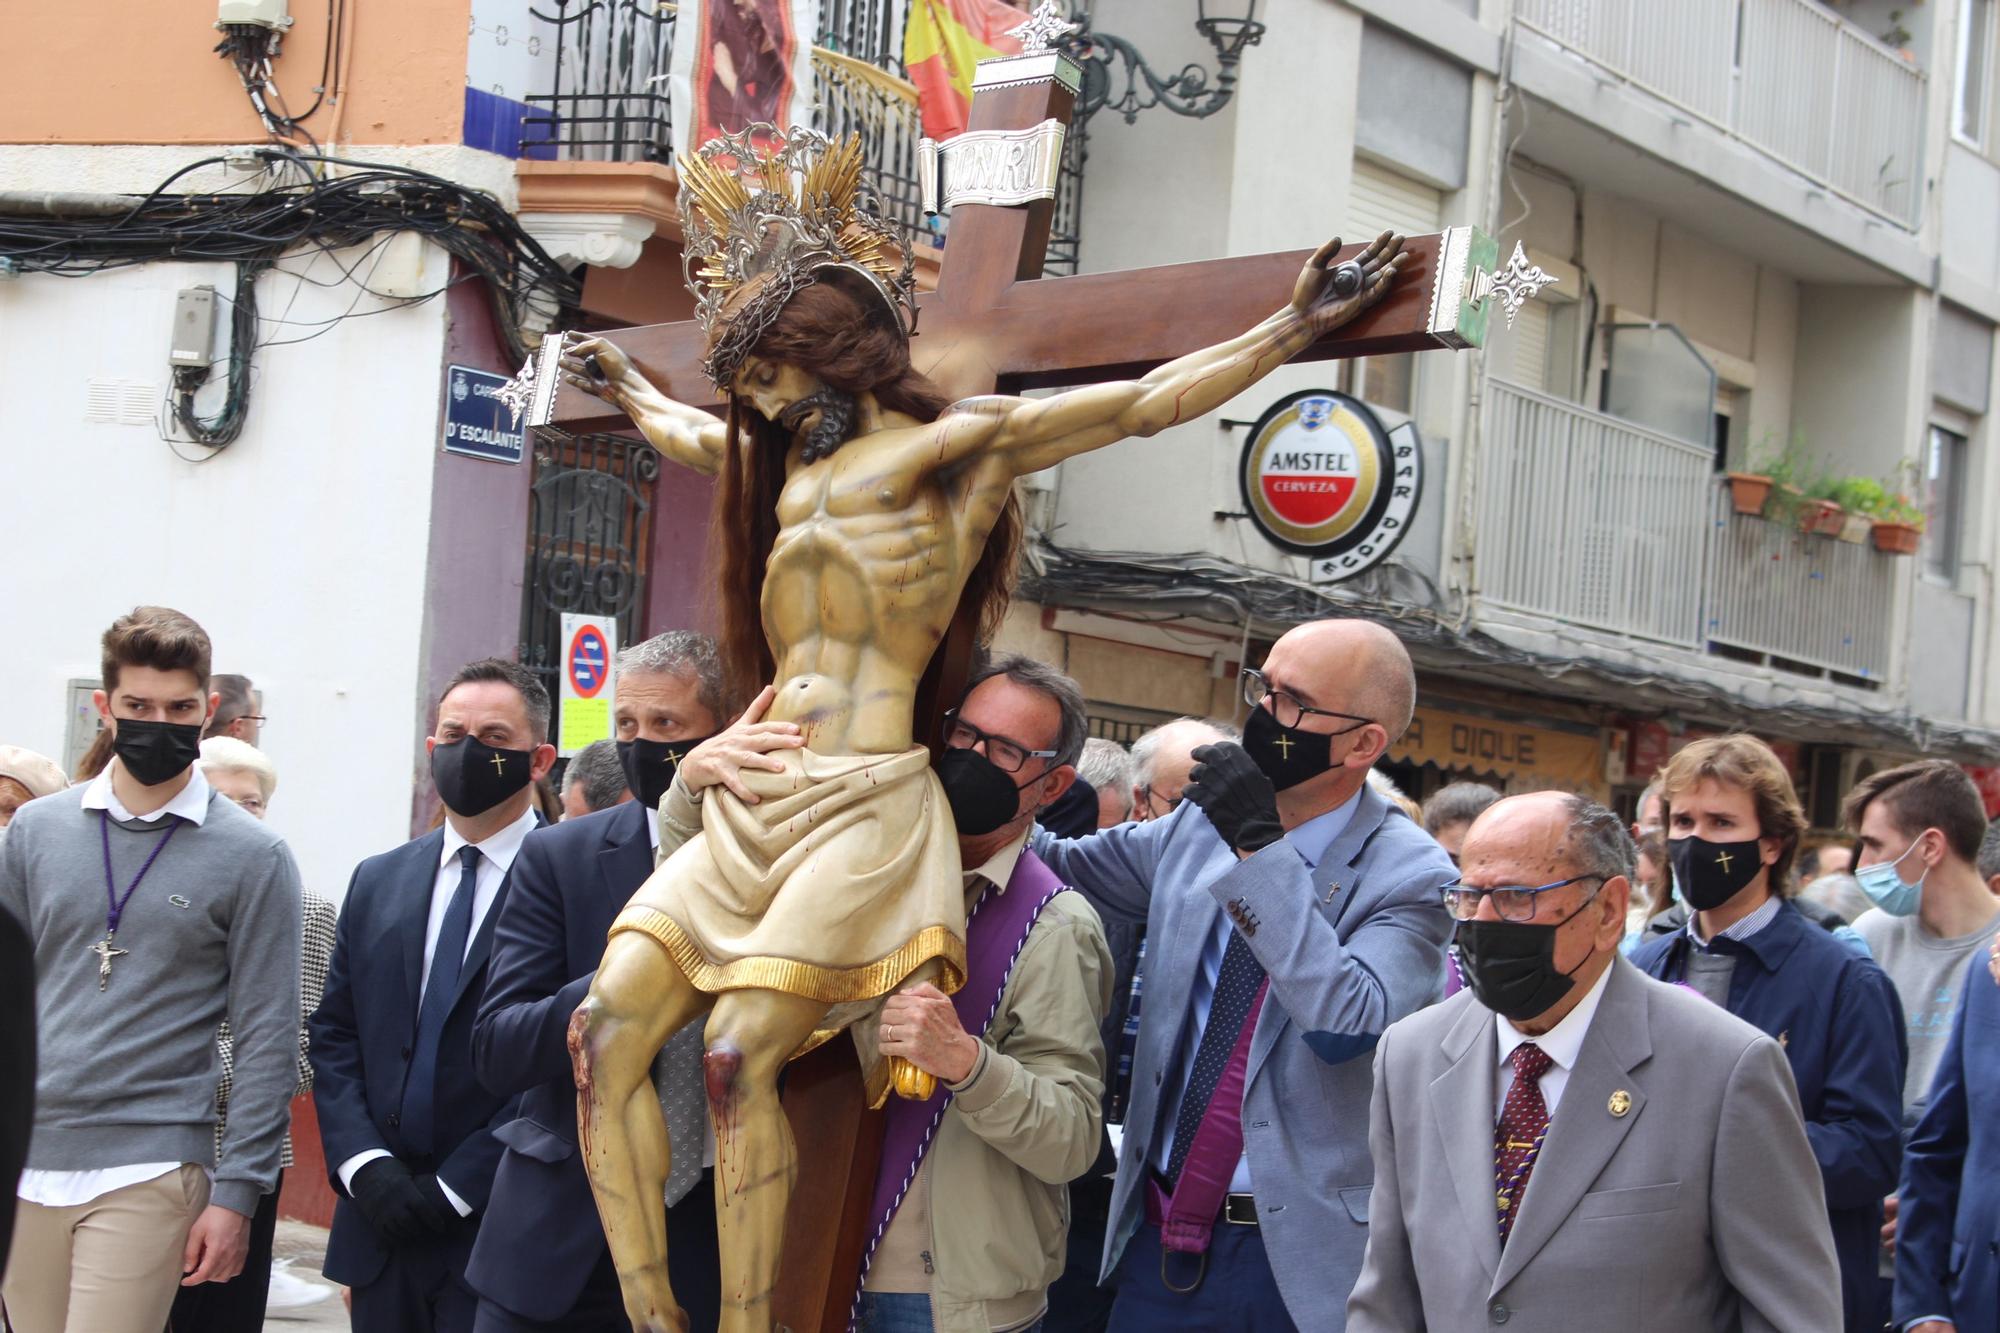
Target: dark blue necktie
447 960
1236 986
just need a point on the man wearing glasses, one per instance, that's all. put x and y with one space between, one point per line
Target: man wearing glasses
238 711
1571 1142
1292 914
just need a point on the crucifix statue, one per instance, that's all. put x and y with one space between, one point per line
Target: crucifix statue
867 517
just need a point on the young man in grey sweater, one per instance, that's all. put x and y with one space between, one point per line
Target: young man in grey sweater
1920 828
156 908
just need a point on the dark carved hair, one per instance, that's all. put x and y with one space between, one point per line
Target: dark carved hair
158 637
841 339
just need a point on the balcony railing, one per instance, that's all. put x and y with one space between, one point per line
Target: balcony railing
1590 519
1788 77
608 100
1593 521
1776 592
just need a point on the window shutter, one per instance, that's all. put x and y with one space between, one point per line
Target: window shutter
1382 200
1528 346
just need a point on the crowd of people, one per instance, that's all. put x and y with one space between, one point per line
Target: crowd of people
1246 1038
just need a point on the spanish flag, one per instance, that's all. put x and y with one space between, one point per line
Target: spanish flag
942 41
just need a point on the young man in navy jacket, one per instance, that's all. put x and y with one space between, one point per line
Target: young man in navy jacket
1733 825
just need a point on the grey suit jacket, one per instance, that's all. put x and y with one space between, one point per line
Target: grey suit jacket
1351 945
1698 1208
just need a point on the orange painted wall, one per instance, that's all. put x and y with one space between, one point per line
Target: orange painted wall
145 73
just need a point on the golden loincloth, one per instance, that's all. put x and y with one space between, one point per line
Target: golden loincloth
838 884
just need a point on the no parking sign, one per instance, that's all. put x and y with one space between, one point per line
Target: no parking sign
589 645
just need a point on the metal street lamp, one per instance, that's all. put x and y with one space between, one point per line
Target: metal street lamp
1229 26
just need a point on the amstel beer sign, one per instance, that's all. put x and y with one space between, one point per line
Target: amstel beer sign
1323 479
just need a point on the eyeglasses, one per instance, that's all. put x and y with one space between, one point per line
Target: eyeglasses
1152 796
1007 756
1509 904
1285 709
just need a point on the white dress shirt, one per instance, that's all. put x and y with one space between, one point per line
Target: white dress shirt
1561 1043
1310 841
496 857
67 1189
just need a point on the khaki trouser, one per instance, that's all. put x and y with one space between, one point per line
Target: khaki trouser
111 1265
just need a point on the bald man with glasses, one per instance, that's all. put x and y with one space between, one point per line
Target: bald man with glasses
1292 914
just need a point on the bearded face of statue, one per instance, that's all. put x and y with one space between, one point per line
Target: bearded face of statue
799 403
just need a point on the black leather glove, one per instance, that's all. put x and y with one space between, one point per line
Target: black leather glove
439 1211
1238 799
390 1197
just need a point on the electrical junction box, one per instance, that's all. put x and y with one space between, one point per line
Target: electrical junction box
257 13
194 326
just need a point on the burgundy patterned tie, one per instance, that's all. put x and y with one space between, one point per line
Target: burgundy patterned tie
1517 1139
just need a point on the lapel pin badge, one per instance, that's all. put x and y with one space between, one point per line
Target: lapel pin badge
1620 1103
179 901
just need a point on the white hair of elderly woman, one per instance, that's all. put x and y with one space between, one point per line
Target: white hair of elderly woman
228 755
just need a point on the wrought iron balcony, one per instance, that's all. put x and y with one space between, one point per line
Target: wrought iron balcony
607 101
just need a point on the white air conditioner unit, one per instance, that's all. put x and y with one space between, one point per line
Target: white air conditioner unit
252 13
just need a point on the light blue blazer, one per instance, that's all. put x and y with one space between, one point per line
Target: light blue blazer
1351 946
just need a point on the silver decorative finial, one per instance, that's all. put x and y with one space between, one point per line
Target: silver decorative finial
518 392
1515 285
1045 26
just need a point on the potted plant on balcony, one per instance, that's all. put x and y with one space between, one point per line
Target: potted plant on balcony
1819 512
1860 499
1898 525
1748 492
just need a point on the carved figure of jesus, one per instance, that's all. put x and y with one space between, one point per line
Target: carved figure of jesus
862 506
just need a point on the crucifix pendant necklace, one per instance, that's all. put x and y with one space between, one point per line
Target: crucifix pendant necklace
114 903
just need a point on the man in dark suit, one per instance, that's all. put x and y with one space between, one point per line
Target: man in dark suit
541 1261
408 1131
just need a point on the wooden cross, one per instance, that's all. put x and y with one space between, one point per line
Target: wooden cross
994 322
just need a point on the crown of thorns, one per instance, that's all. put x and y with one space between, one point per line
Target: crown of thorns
765 213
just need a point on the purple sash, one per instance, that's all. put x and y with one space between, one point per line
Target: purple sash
994 936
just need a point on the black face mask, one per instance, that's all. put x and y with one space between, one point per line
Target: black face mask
1510 966
1287 755
650 766
156 752
982 797
472 777
1708 874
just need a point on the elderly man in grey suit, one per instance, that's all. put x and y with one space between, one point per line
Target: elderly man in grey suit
1572 1144
1292 914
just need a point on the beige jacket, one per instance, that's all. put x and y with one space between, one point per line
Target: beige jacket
1025 1123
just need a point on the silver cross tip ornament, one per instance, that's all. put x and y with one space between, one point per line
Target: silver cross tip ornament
1515 285
518 392
1045 27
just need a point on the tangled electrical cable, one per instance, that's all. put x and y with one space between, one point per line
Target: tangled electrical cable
255 230
1206 587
